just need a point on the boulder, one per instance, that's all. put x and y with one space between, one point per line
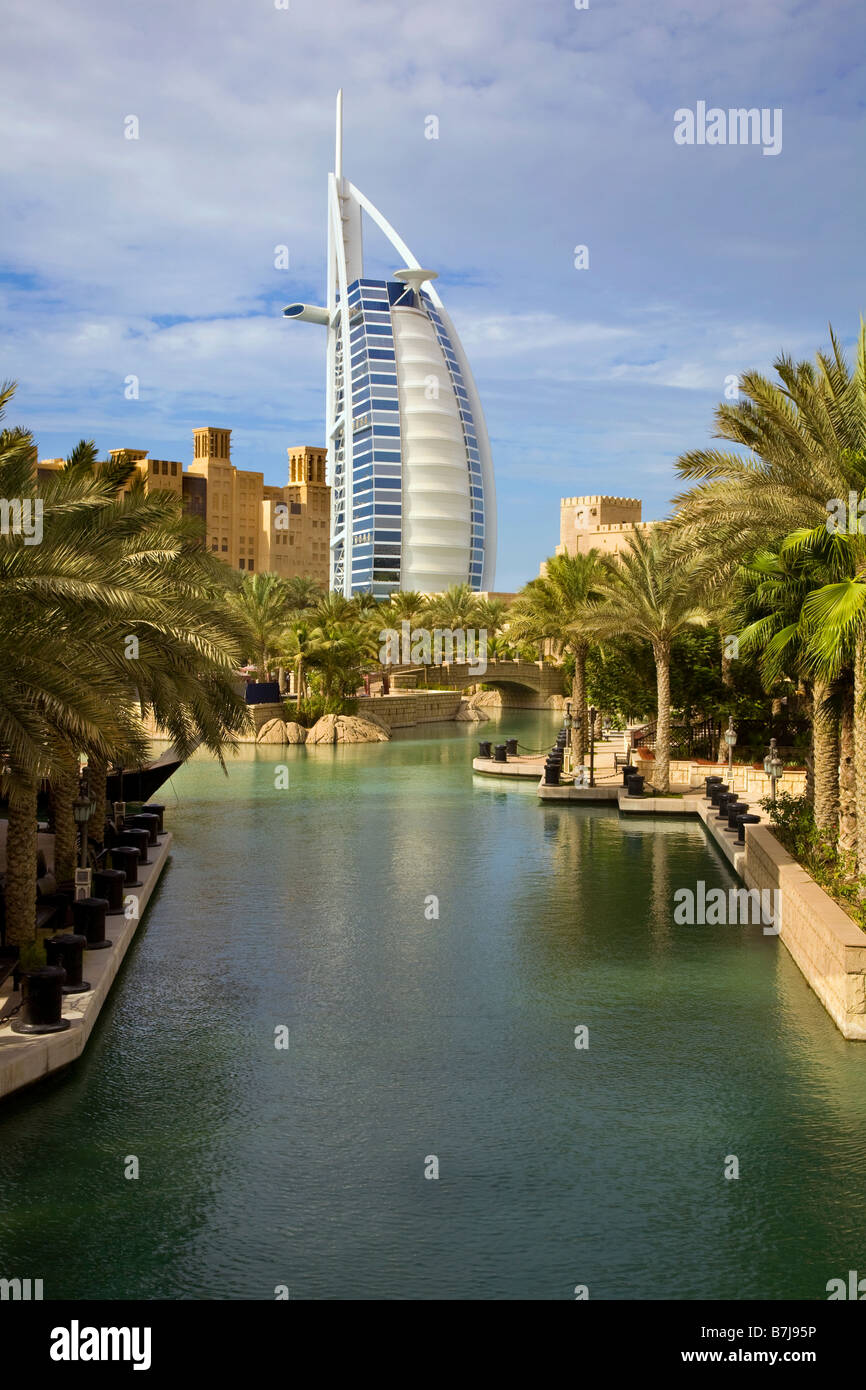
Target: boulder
295 733
485 697
272 732
347 728
472 712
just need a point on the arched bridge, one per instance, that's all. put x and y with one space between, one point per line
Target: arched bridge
520 683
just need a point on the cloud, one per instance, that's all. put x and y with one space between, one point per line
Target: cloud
155 256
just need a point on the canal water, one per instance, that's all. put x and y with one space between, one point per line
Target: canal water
431 940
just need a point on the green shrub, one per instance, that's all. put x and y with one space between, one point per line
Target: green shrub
310 709
793 822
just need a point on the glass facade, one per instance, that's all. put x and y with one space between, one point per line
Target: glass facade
377 500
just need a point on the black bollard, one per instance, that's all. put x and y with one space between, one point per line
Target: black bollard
68 950
634 785
485 748
722 804
139 839
742 822
711 782
88 916
42 1002
511 747
551 775
716 791
627 772
154 809
126 857
499 753
109 884
143 821
736 809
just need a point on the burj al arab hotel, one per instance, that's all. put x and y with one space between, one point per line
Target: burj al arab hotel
412 502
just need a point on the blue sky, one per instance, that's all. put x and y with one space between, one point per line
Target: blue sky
155 257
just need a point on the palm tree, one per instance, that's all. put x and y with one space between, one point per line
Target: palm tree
551 609
334 608
806 442
457 607
298 647
302 594
118 603
406 605
649 593
775 587
261 602
490 615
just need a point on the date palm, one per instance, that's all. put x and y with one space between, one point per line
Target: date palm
455 608
261 602
117 613
649 592
775 587
553 609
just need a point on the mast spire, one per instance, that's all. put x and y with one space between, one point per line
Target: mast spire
338 153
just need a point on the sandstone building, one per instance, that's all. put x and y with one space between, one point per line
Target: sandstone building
250 524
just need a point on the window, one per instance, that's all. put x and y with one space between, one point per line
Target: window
174 470
225 545
241 564
165 468
250 566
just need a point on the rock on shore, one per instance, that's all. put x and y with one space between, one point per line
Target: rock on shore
471 712
347 728
281 731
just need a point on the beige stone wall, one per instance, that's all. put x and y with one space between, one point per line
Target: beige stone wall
402 711
746 779
829 948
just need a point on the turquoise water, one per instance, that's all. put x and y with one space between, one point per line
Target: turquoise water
305 908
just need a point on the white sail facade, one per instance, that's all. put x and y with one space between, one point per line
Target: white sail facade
413 502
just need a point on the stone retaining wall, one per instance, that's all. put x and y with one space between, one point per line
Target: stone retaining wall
827 945
402 711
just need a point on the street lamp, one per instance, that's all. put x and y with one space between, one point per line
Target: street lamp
773 767
730 740
592 717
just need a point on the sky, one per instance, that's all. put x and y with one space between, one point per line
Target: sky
154 257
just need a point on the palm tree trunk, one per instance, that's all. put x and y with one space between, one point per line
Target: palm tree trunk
21 864
860 751
825 758
578 706
98 779
662 772
64 782
847 778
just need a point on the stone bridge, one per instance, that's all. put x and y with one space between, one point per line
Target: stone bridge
520 684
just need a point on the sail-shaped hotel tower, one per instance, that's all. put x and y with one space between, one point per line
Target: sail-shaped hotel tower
412 503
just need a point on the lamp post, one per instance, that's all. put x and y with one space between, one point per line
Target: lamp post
773 767
568 724
592 716
730 740
82 809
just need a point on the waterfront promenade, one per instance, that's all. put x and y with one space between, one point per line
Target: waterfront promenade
28 1058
